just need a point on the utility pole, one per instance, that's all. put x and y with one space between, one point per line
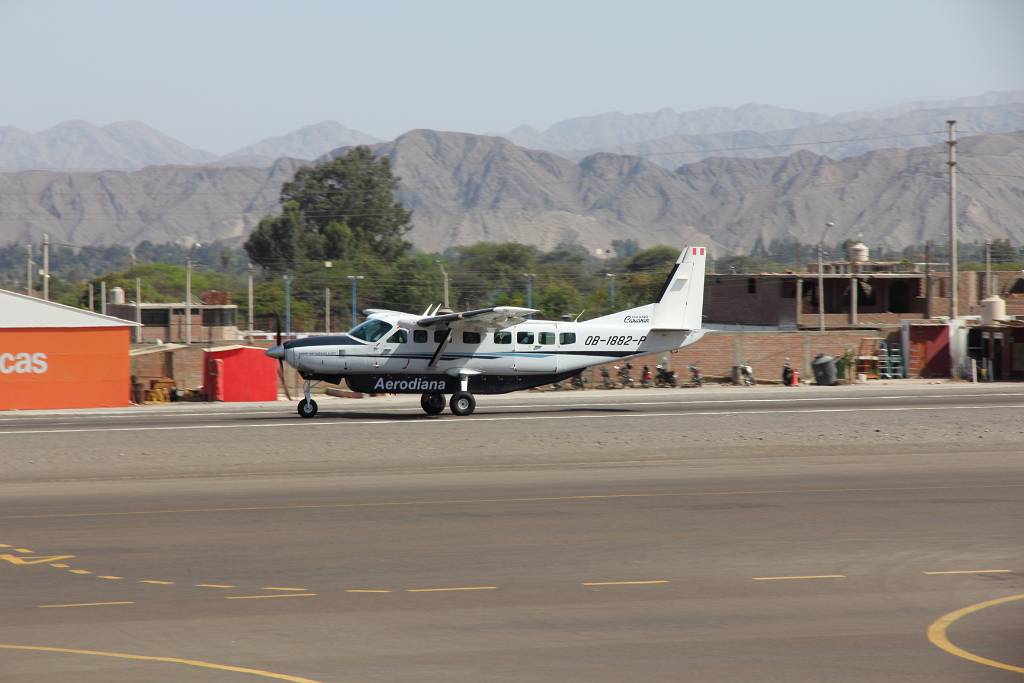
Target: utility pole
611 288
250 303
28 269
529 292
444 273
103 297
92 305
46 267
953 266
188 300
821 287
928 278
288 306
355 293
327 310
327 302
988 268
138 310
821 276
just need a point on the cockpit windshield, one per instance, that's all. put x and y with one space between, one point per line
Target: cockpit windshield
371 331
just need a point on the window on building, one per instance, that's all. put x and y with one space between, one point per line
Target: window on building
546 338
419 336
789 289
524 338
567 338
440 336
503 337
218 317
751 285
470 337
156 316
399 337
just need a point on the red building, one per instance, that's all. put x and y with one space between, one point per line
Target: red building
239 373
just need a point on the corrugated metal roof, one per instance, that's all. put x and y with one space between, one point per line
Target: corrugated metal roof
21 311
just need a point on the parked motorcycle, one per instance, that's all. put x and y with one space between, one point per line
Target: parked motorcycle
578 382
646 380
787 374
665 377
696 378
747 374
624 377
606 379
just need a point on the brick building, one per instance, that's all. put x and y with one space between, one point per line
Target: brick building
214 318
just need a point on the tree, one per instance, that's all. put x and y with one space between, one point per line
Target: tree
356 190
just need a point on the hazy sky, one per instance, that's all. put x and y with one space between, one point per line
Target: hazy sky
219 74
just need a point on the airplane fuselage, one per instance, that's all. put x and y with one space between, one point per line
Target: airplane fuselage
521 356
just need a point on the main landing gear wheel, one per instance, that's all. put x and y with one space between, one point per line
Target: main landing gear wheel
307 408
432 404
462 404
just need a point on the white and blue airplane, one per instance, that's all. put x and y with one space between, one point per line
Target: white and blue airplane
493 350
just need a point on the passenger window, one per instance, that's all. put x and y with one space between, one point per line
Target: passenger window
470 337
440 336
524 338
399 337
419 336
504 337
567 338
546 338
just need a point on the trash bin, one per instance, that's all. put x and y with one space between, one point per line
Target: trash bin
824 368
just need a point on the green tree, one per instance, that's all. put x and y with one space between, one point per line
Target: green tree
336 210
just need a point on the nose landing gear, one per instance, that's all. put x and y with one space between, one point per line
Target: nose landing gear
307 407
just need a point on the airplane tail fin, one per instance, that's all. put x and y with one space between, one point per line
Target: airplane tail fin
681 302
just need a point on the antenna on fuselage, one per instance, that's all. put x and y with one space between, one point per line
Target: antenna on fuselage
580 315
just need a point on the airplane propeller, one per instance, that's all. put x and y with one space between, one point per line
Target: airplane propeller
280 361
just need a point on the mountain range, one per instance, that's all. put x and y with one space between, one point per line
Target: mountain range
465 188
667 137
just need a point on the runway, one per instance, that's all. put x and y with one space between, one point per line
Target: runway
846 534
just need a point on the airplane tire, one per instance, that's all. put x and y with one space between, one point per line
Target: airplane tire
307 409
432 404
462 404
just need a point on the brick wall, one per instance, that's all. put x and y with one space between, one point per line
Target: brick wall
717 352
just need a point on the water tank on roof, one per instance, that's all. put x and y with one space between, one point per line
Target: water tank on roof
992 308
115 295
858 252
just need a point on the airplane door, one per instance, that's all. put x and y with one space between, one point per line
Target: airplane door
536 347
391 358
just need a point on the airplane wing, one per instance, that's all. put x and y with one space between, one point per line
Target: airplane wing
481 318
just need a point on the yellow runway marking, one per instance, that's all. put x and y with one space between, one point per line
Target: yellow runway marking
275 588
973 571
80 571
368 590
156 582
793 578
60 565
626 583
457 588
86 604
937 634
110 578
19 560
23 550
267 597
4 545
214 585
168 660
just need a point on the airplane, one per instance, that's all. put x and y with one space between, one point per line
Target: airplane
493 350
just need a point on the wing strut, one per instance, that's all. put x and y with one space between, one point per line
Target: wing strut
437 353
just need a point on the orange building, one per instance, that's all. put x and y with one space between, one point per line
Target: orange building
56 356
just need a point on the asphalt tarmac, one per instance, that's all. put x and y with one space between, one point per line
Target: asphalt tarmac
812 534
